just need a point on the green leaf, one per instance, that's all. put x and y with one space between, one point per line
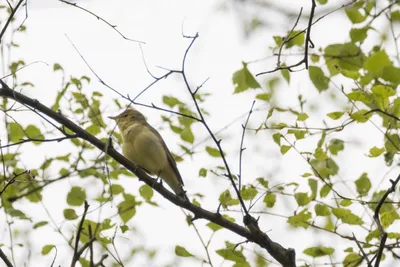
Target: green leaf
320 154
286 75
354 15
375 152
324 191
359 35
127 208
187 135
343 56
322 2
302 117
347 216
352 260
377 62
57 67
230 254
392 143
299 134
40 224
302 199
345 202
324 168
322 210
182 252
215 227
248 192
265 97
146 192
360 96
76 196
354 75
116 189
335 146
226 199
17 213
269 199
278 40
263 182
388 218
124 228
301 219
363 184
244 80
64 158
46 249
394 235
335 115
376 197
315 58
277 138
285 149
361 116
391 74
298 40
318 78
313 184
34 132
203 172
171 101
70 214
213 152
383 91
93 129
395 15
16 132
317 252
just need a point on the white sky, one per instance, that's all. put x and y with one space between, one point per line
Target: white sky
217 54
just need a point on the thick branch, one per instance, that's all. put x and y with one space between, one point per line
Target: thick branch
5 259
285 256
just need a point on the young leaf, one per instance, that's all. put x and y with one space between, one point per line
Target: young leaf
318 78
182 252
244 80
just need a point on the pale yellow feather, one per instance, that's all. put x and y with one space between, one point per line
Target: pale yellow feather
144 146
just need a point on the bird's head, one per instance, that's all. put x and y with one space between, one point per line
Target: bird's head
127 117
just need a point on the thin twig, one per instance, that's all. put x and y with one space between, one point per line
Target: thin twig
140 93
382 232
365 256
114 27
10 18
76 255
241 145
308 42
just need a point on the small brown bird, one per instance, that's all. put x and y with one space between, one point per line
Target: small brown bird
144 146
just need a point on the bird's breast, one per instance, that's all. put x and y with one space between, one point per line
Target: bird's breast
144 148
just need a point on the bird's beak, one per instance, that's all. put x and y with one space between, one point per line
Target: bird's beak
113 118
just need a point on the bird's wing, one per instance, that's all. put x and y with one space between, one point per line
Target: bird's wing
169 155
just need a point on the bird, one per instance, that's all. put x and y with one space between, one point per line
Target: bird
144 146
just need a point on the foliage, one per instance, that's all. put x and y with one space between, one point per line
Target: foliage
359 86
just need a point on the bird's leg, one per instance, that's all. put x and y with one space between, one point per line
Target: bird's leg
158 179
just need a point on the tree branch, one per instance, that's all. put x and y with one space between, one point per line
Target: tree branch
13 11
285 256
5 259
